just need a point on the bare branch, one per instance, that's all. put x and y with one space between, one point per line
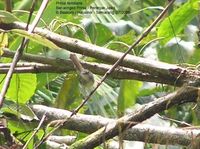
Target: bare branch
61 65
169 72
77 46
184 94
141 132
178 77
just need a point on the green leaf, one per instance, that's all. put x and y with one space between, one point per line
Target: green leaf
98 33
92 31
6 17
69 93
129 89
104 34
20 110
82 36
21 88
23 131
44 78
177 21
121 43
35 37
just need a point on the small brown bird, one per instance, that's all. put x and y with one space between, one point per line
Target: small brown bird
86 77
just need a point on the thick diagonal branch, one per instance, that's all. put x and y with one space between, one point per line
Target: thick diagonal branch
184 94
141 132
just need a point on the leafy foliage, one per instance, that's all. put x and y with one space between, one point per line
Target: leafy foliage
117 31
7 17
35 38
178 20
20 89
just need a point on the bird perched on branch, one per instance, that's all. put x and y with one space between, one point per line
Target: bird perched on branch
86 77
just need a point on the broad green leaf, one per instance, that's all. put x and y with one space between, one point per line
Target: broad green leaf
44 78
35 48
121 43
35 37
21 88
129 89
18 127
32 47
177 21
91 29
98 33
104 34
69 95
23 5
6 17
127 38
23 131
20 110
82 36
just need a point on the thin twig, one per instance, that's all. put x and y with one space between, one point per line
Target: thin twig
145 33
181 123
35 131
19 51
